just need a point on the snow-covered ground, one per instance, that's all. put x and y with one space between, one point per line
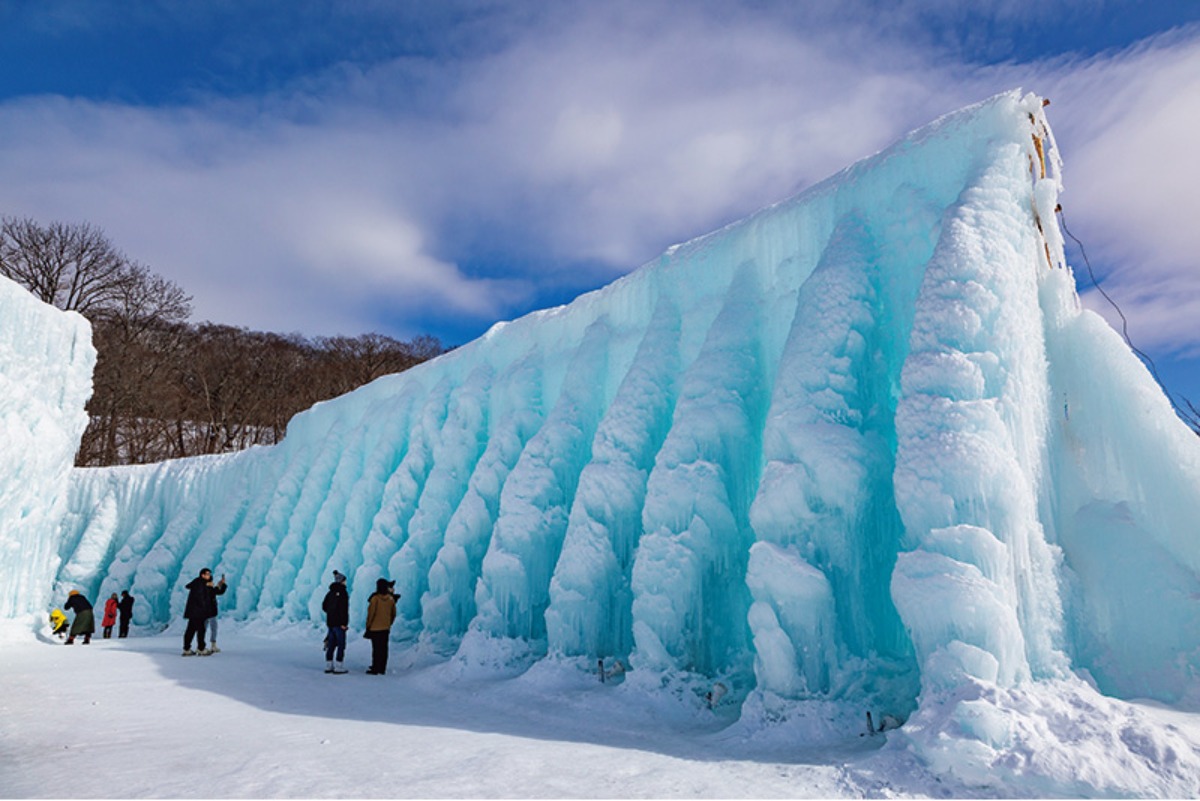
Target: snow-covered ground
131 718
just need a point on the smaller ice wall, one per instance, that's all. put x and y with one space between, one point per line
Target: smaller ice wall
46 361
1126 474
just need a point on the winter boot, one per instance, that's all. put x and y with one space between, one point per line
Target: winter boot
339 668
213 649
188 652
87 639
328 665
70 641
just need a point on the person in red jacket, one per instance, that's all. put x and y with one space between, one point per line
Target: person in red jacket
110 615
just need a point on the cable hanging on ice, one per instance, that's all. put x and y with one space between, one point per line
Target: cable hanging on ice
1190 415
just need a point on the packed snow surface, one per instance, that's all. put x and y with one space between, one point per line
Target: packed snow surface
131 719
862 451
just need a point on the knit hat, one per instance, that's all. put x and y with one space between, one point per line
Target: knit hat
383 585
339 577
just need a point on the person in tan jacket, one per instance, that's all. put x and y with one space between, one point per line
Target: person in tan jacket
381 613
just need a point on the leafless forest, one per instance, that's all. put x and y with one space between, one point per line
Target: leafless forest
166 387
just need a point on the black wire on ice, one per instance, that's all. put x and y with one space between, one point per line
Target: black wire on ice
1191 419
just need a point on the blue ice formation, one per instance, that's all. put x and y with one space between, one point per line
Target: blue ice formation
46 361
862 444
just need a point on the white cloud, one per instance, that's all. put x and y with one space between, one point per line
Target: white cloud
594 137
271 226
1126 125
623 136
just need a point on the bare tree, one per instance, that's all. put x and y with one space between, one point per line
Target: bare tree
164 388
139 336
354 361
71 266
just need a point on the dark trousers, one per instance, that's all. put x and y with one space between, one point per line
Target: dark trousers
195 628
107 632
336 640
379 650
123 630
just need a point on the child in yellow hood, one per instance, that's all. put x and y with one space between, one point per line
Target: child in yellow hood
58 622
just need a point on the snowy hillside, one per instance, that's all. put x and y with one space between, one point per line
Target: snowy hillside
46 361
860 451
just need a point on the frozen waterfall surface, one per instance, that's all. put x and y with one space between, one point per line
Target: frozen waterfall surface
46 361
861 450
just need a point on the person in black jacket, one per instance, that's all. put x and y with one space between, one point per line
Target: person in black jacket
201 604
124 613
337 617
213 591
85 619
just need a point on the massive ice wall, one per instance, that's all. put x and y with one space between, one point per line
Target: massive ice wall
862 443
46 360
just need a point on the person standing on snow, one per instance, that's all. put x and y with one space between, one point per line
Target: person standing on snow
85 619
381 613
110 615
197 610
337 617
125 613
214 591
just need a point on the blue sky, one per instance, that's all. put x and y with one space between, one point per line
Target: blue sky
433 167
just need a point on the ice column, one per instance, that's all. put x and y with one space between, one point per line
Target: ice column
456 452
978 591
817 577
688 614
514 589
590 596
515 412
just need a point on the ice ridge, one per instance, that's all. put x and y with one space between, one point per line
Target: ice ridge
862 444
